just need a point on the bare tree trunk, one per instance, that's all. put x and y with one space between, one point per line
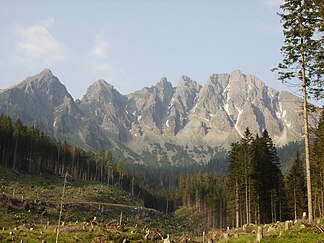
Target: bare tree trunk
306 130
295 203
61 209
306 126
108 175
259 216
237 218
322 199
271 202
15 153
321 189
246 202
220 214
249 202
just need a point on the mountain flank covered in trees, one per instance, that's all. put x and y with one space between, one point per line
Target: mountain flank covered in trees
253 190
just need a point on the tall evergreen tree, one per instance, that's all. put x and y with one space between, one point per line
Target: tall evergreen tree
268 180
234 174
255 180
302 60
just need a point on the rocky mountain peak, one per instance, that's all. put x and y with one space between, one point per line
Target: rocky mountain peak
45 75
187 89
163 81
186 81
44 100
43 78
101 91
236 73
46 72
160 120
45 83
101 83
164 84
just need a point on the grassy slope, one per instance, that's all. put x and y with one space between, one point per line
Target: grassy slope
276 233
29 209
32 202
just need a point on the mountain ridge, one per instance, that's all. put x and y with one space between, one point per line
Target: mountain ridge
157 124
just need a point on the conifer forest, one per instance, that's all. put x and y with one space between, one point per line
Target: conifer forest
253 190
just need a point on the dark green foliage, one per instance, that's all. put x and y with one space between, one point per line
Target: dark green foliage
302 22
303 60
255 181
253 192
26 149
296 189
317 168
287 154
205 194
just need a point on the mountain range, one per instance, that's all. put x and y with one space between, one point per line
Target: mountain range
158 125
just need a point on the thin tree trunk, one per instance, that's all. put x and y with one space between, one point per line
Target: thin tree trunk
246 201
321 188
271 204
306 126
249 202
61 209
295 203
308 173
259 216
15 153
220 214
108 175
237 218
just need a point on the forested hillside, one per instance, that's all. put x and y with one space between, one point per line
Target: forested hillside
253 191
27 149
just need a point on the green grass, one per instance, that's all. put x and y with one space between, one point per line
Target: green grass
296 234
29 209
28 201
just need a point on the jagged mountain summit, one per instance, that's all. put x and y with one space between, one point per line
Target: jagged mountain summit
43 100
162 124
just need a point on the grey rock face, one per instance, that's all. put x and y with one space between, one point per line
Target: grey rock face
150 105
43 100
107 109
162 123
183 100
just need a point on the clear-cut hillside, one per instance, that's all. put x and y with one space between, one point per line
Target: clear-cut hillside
162 124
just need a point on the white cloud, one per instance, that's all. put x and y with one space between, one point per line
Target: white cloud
274 3
100 48
99 58
36 44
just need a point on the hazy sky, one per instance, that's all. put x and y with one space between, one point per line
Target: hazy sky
132 44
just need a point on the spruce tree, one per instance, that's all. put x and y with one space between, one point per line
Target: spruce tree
234 181
302 60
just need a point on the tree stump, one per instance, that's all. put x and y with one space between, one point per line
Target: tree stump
287 225
259 234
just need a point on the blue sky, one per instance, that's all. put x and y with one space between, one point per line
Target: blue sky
132 44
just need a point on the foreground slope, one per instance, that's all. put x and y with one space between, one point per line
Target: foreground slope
30 206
